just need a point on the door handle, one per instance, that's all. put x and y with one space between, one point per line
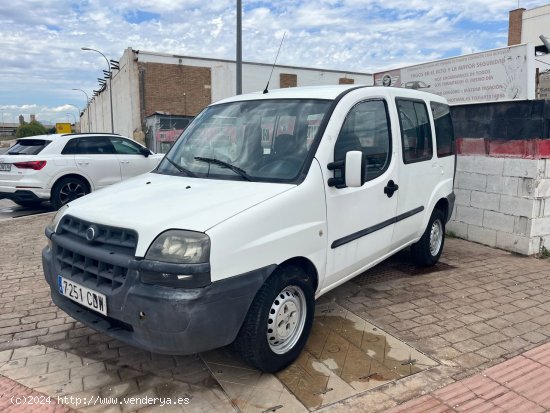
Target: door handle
83 163
390 188
124 161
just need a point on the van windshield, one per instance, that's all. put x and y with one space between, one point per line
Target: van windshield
261 140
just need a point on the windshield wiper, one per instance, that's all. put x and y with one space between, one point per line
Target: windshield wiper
223 164
181 168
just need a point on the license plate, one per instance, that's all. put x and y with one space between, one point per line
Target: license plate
82 295
5 167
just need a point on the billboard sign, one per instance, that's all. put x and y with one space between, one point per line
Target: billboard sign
495 75
63 128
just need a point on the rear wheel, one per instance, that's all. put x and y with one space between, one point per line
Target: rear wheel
68 189
427 250
278 322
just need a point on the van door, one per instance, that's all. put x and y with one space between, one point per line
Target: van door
419 173
360 220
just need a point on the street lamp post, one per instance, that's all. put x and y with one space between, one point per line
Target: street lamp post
88 109
77 111
74 118
110 85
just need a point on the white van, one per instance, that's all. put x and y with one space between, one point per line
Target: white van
266 202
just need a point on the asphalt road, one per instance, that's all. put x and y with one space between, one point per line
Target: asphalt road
2 150
9 209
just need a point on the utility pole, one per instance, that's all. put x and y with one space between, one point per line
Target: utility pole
239 49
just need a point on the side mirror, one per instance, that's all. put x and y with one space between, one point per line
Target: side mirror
354 169
144 151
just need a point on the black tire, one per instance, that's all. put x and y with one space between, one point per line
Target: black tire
427 250
285 288
68 189
28 204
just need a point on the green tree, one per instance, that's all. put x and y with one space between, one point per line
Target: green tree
30 129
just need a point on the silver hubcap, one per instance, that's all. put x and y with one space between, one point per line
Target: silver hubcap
70 191
436 237
286 319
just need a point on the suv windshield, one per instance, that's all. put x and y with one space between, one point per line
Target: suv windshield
261 140
28 147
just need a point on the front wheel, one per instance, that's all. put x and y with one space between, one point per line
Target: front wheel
68 189
427 250
278 322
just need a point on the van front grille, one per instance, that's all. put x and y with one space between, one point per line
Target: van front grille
123 239
98 275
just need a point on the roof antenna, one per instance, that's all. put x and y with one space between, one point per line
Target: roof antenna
273 67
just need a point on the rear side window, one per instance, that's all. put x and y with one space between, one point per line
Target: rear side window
70 147
28 147
90 145
444 135
416 133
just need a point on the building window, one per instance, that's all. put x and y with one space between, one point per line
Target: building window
346 81
288 80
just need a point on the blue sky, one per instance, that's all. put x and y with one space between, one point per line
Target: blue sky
40 40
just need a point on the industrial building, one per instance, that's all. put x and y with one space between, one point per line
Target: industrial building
166 85
526 26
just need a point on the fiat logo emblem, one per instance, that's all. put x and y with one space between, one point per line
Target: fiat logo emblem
91 233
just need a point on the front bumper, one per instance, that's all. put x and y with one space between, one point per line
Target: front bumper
166 320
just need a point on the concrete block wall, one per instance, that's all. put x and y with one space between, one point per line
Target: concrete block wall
503 202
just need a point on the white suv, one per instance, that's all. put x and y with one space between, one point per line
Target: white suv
265 203
62 168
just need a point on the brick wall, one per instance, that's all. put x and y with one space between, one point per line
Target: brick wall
515 21
288 80
502 183
175 89
346 81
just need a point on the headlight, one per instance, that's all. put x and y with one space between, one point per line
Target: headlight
181 247
52 226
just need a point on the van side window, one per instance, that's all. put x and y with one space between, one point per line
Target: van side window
416 133
366 129
444 135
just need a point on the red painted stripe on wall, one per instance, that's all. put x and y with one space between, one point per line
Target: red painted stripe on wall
521 148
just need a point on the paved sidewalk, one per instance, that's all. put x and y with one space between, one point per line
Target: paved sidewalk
16 398
521 384
479 307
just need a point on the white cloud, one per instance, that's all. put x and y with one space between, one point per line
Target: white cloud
41 60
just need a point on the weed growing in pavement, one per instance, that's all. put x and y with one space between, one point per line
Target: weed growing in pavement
544 253
450 234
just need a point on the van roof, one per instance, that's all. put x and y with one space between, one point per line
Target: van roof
331 92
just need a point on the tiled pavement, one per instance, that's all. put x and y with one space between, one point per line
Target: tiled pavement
521 384
479 307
